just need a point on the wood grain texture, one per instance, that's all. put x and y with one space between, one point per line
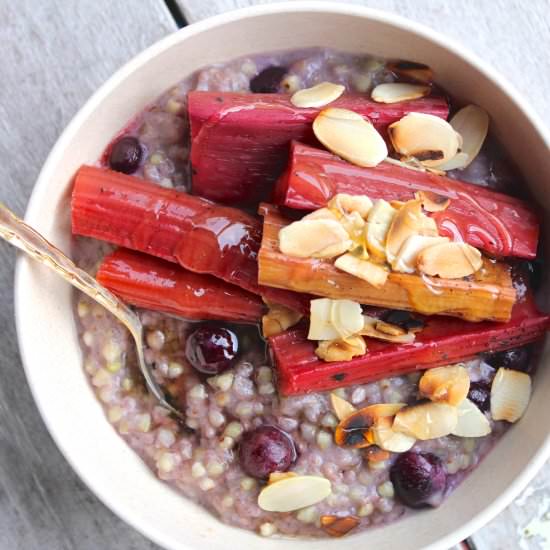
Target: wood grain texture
54 55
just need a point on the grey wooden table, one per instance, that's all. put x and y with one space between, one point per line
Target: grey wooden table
54 55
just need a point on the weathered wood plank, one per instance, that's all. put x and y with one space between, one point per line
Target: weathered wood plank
54 55
506 33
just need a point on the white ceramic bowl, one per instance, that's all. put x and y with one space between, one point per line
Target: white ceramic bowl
46 329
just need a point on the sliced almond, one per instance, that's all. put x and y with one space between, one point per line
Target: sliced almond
337 526
278 319
459 161
346 317
432 202
409 220
388 439
395 92
321 214
354 224
278 476
388 328
378 223
411 69
320 321
510 394
354 430
411 164
318 238
449 260
472 123
406 259
350 136
471 421
342 408
344 203
293 493
426 420
341 350
317 96
428 138
445 384
369 329
373 273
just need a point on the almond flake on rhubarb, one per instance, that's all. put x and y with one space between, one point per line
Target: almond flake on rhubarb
406 259
321 214
510 394
394 92
426 420
445 384
411 69
318 238
449 260
428 138
346 204
379 221
350 136
341 350
278 319
356 429
317 96
432 202
370 330
331 319
368 271
342 408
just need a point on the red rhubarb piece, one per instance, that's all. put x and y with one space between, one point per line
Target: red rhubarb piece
497 223
147 282
239 142
443 341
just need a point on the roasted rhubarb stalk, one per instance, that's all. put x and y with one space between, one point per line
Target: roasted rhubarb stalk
195 233
487 295
239 142
496 223
147 282
443 341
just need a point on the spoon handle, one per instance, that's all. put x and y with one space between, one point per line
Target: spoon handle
16 232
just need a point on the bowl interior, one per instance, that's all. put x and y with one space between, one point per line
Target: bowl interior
43 302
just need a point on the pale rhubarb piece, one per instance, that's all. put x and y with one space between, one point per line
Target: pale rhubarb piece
487 295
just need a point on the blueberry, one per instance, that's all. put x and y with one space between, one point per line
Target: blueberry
419 479
211 349
125 155
268 81
265 450
516 359
480 395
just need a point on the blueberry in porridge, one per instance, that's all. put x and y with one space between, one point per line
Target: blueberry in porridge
335 272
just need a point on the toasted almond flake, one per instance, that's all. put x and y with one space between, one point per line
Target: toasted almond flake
320 322
346 317
510 394
337 526
411 69
459 161
293 493
426 420
278 319
321 214
409 220
341 350
314 239
342 408
388 439
445 384
379 221
449 260
428 138
395 92
373 273
471 421
344 203
369 329
472 123
388 328
432 202
317 96
406 259
350 136
354 225
274 477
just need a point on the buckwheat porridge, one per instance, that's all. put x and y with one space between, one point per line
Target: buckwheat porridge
348 327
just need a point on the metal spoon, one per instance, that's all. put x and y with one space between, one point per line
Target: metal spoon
16 232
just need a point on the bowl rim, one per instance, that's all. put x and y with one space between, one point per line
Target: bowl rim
39 190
